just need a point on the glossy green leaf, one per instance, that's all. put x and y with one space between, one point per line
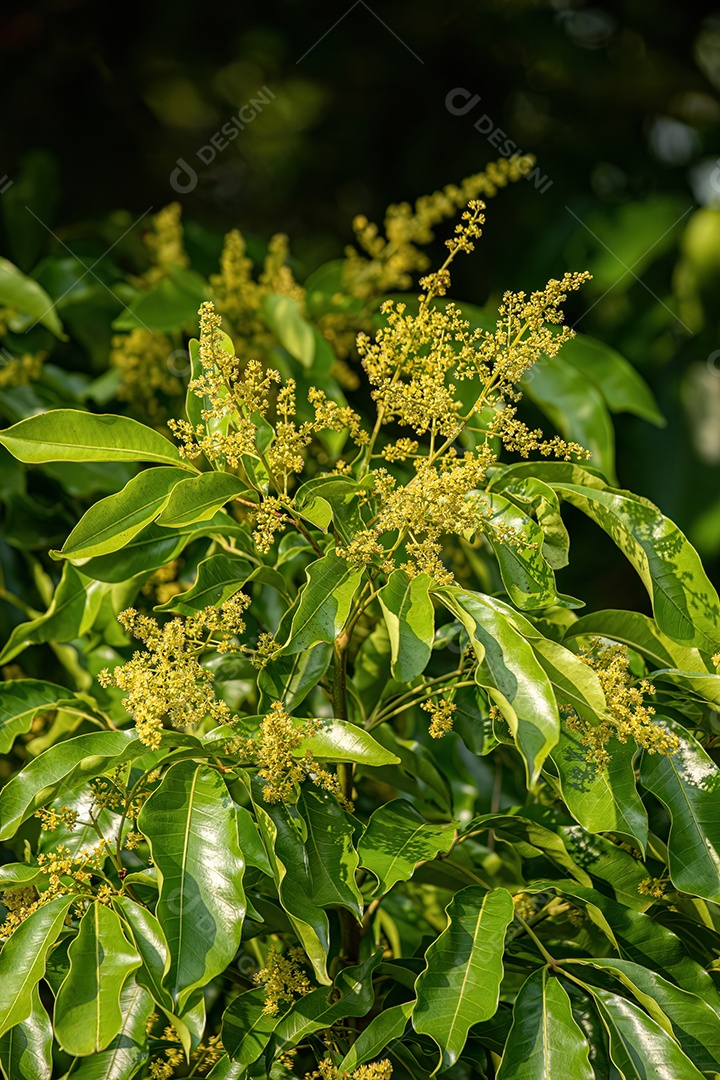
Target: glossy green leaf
23 959
110 523
87 1008
639 1047
527 576
544 1041
617 871
352 995
685 1016
622 387
602 800
640 633
685 604
537 496
339 740
525 695
144 930
247 1028
218 578
291 678
26 1049
687 783
128 1051
21 293
324 603
396 839
73 608
199 497
189 821
377 1038
69 435
576 408
61 769
461 984
166 304
331 853
22 699
291 871
410 620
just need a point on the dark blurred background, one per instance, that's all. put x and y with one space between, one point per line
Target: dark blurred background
619 102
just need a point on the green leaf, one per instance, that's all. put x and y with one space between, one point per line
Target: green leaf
110 523
198 498
377 1038
25 295
607 862
341 741
189 821
525 695
687 783
642 634
461 984
396 839
575 407
639 1047
526 575
545 1040
331 854
148 938
60 769
247 1028
410 620
622 387
290 679
353 995
324 603
602 800
23 959
167 305
539 497
301 338
22 699
685 1016
128 1051
69 435
26 1049
685 604
289 862
87 1008
218 578
75 603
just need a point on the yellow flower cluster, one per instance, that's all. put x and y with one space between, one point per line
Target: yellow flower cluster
166 684
163 584
66 873
389 261
51 819
441 713
21 371
628 715
143 360
283 978
652 887
162 1068
376 1070
274 754
165 244
238 295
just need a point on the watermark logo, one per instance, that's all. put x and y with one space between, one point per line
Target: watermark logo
5 183
184 178
460 102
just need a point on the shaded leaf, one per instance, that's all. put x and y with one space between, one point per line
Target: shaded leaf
23 959
396 839
544 1040
69 435
128 1051
189 821
331 854
461 984
87 1008
26 1049
324 603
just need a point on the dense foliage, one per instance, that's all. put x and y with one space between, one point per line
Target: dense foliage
312 770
